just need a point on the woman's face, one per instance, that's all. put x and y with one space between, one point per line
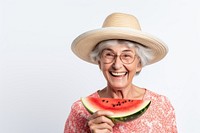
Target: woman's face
119 75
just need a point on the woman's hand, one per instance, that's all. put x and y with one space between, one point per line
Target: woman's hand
99 123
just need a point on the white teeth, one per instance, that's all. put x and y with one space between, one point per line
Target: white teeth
118 74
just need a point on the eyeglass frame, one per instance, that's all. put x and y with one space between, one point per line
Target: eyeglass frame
116 55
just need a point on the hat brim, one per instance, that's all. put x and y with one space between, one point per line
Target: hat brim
85 43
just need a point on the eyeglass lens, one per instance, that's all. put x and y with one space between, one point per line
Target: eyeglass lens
109 56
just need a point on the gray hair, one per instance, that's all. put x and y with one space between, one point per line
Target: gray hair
145 54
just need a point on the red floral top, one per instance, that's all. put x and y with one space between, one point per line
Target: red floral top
159 118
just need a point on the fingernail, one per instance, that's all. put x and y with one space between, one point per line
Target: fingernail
111 113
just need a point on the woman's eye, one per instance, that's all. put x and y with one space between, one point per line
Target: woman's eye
127 56
109 54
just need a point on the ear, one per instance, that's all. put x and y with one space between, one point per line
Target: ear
99 64
139 67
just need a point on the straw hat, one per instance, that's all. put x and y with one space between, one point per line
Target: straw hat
118 26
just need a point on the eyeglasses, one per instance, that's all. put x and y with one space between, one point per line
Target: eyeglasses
108 56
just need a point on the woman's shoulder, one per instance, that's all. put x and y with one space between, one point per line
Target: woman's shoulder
158 99
78 117
153 95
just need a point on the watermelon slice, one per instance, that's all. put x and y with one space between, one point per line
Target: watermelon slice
124 109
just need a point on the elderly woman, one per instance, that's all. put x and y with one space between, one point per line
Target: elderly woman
121 50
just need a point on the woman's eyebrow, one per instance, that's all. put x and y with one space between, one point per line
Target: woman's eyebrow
109 49
128 50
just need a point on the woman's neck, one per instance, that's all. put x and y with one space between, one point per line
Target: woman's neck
130 92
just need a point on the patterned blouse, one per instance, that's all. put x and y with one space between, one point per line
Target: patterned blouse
159 118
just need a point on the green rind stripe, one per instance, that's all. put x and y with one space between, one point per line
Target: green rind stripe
132 116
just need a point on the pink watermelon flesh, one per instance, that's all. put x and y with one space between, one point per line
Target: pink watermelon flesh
123 109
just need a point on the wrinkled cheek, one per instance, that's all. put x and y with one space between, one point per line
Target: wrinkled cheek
130 76
106 75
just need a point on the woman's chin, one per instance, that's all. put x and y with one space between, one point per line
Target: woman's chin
118 86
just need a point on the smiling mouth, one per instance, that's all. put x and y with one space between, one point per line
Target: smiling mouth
118 74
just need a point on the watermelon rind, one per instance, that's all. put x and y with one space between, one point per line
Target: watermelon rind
122 118
132 116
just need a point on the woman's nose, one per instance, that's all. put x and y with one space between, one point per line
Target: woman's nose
117 64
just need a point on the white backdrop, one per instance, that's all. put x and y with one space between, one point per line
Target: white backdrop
40 77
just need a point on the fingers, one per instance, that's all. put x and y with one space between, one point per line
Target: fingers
101 131
101 128
99 122
101 119
100 113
